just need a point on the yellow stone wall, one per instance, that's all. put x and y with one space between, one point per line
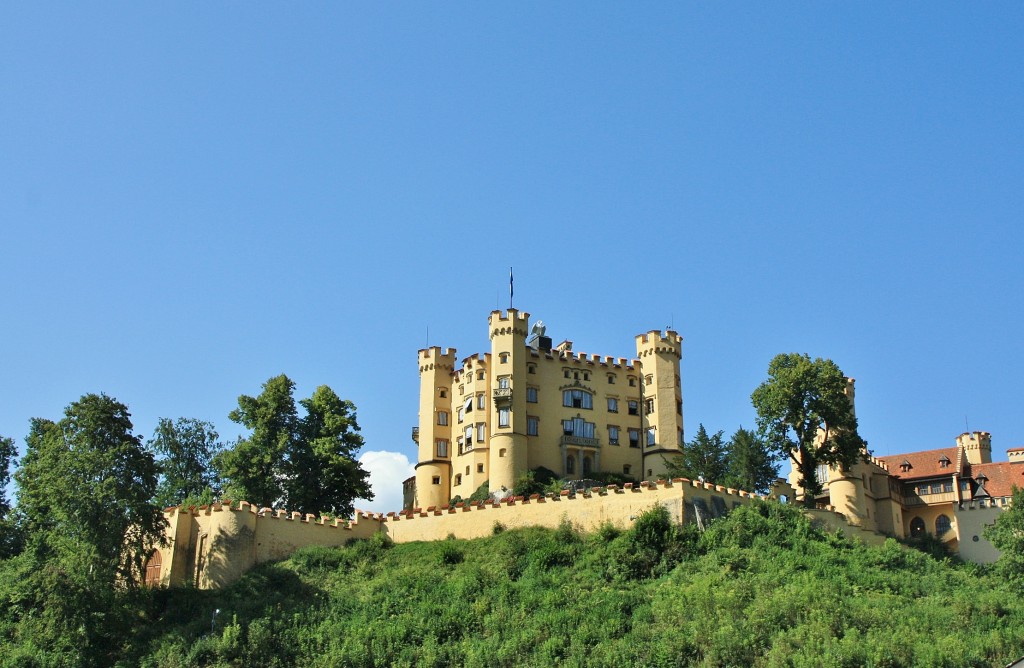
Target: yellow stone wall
971 520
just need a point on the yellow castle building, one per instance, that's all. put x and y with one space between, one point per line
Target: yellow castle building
524 404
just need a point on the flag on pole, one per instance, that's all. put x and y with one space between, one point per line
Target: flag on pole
510 290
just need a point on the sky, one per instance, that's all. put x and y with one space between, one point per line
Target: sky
196 196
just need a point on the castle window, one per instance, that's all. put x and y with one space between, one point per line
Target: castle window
650 436
613 405
588 465
613 435
503 417
944 462
531 368
469 405
479 468
679 437
565 373
458 479
634 438
460 445
436 480
916 527
634 407
442 418
153 569
462 414
625 469
679 407
649 380
570 464
503 358
480 401
532 426
947 486
442 447
942 525
531 395
480 375
503 382
469 436
577 399
481 432
586 376
648 406
443 393
632 381
611 379
578 427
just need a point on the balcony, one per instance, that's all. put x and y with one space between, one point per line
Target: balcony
416 435
580 441
928 499
502 396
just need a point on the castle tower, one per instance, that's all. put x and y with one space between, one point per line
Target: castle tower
434 434
507 452
662 399
977 446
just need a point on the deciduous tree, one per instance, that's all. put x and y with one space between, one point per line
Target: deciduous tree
803 413
305 464
186 447
1007 534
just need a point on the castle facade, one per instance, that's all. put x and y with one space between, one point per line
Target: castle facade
493 416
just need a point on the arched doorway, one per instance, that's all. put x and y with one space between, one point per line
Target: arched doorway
153 565
916 527
588 465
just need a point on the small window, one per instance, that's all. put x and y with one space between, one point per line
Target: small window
479 375
634 438
442 418
649 380
442 447
462 389
613 435
502 452
503 358
613 405
469 434
531 395
679 407
575 375
462 415
481 432
443 393
467 470
531 368
565 373
503 382
468 405
650 437
503 417
942 525
632 381
625 469
586 375
458 479
532 426
479 468
634 407
436 480
460 445
611 379
648 406
480 401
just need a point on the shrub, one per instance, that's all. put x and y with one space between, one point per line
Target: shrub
451 554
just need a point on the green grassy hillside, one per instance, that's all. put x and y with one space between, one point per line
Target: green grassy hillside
761 588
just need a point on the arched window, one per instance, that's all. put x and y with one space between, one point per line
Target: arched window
942 525
916 527
570 464
153 569
577 399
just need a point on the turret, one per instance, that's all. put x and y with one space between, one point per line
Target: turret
662 400
434 434
977 446
507 456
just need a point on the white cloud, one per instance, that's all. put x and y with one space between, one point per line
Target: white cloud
387 471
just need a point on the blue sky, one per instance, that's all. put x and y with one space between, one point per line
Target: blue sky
198 196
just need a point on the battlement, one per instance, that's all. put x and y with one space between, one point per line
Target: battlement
870 459
975 439
655 341
268 513
513 315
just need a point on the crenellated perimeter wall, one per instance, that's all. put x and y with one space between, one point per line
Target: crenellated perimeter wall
212 546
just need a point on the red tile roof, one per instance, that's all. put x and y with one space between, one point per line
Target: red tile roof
1017 449
1002 476
923 464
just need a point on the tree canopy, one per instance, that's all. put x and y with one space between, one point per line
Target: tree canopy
306 464
743 462
804 413
1007 534
186 447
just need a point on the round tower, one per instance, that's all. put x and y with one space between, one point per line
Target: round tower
433 436
507 456
662 400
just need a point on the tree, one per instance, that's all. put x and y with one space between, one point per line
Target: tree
703 458
752 466
305 464
8 529
803 413
187 447
1007 534
86 486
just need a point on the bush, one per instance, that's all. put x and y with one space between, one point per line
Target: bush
451 554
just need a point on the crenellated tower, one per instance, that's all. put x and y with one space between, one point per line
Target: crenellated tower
507 455
434 434
662 400
977 446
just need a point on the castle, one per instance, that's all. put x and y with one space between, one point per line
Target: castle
491 417
527 404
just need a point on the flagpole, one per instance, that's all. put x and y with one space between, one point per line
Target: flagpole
510 290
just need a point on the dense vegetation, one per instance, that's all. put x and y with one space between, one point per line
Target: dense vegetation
761 587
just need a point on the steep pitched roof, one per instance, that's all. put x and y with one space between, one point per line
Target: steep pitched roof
1002 476
923 464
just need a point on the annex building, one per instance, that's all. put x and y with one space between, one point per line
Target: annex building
524 403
